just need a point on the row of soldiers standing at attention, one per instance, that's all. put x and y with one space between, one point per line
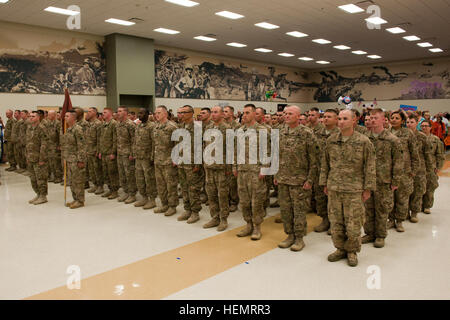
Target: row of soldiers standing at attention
373 177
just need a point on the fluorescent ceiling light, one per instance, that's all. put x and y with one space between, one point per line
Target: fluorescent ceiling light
285 54
359 52
411 38
322 62
168 31
297 34
60 11
184 3
229 15
424 44
4 1
395 30
236 44
351 8
376 20
266 25
203 38
121 22
305 58
342 47
374 56
436 50
263 50
321 41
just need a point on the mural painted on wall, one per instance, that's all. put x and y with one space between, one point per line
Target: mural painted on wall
32 62
426 80
186 76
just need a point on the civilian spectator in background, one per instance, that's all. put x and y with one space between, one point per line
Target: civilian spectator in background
438 128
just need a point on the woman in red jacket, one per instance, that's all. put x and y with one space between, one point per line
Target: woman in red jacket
438 128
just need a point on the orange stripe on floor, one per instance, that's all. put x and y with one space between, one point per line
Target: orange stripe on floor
169 272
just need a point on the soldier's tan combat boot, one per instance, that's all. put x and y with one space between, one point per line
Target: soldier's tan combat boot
107 194
352 259
390 224
427 211
256 235
379 243
193 218
329 232
51 179
130 199
414 218
26 173
233 208
142 202
150 204
367 239
184 216
68 204
323 226
99 190
42 199
275 205
298 244
214 222
286 243
399 226
171 212
161 209
337 255
92 189
223 225
278 219
77 204
34 199
246 231
57 181
113 195
123 197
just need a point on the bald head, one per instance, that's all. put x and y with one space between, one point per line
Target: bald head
9 113
292 116
51 115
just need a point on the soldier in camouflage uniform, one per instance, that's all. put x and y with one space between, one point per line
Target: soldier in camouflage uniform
218 172
18 136
53 128
228 116
389 166
251 184
330 119
205 118
190 174
37 150
348 174
107 147
295 177
9 142
259 117
75 155
437 159
165 169
359 128
92 138
410 160
85 126
127 167
142 152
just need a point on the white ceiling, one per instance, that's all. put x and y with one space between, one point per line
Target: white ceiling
429 19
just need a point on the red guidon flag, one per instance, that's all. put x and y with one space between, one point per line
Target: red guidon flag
66 106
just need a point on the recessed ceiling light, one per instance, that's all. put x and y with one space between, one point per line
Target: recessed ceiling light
342 47
61 11
351 8
297 34
203 38
263 50
323 62
374 56
229 15
411 38
4 1
184 3
236 44
121 22
321 41
424 44
168 31
436 50
306 59
285 54
359 52
376 20
395 30
266 25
